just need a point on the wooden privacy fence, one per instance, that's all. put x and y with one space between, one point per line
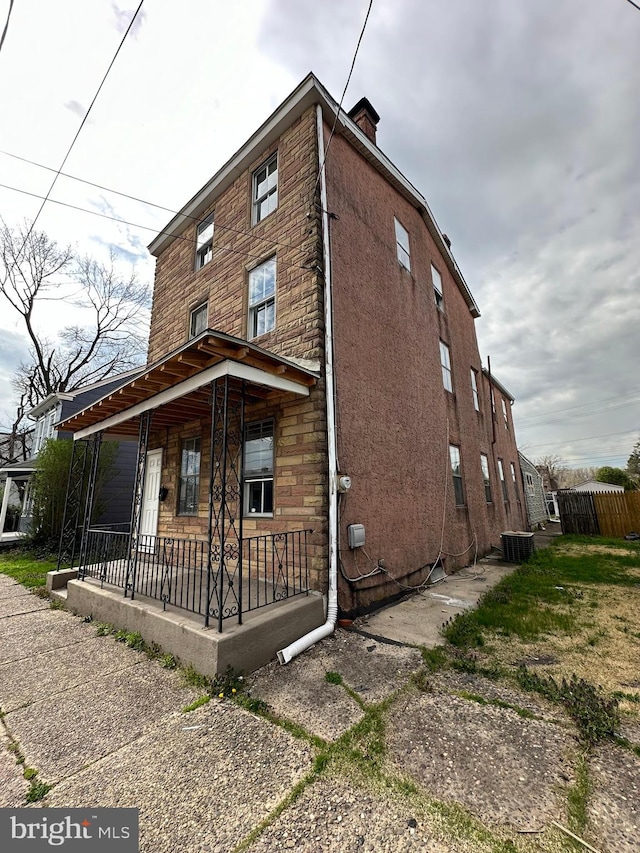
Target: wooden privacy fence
618 514
599 513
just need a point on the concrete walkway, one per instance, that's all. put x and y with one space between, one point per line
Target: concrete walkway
406 761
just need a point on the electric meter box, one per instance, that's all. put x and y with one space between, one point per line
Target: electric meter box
356 535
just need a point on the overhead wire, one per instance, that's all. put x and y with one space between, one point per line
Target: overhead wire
154 229
196 219
6 24
344 92
73 141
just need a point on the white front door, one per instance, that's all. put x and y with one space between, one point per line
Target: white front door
150 495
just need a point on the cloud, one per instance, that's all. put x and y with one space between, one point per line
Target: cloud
123 19
13 350
76 107
126 243
520 125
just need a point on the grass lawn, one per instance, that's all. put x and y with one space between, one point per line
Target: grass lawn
573 608
25 568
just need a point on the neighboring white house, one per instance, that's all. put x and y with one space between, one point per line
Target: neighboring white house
595 486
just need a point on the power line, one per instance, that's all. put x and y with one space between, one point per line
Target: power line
218 249
588 438
594 413
82 124
582 405
6 26
634 4
144 201
344 92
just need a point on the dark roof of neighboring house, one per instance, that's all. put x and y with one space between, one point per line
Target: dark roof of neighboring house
26 467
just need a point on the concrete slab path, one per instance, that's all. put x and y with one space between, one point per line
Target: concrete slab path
356 747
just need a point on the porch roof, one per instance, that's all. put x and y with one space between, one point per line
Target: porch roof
177 385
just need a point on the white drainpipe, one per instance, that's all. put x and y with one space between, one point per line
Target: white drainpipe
291 651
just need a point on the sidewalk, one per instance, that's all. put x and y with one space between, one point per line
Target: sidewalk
357 762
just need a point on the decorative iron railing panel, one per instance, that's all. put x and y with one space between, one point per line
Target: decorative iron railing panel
179 573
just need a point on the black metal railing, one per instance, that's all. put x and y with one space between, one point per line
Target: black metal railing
181 573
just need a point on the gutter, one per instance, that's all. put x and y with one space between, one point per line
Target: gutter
308 640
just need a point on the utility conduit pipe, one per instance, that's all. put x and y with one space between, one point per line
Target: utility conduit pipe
295 648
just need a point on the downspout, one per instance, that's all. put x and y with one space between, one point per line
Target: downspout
294 649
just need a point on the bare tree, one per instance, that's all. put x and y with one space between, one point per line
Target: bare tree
34 269
552 469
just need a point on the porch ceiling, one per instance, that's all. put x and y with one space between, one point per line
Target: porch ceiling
177 386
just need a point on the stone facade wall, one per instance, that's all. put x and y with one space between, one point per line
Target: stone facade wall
292 235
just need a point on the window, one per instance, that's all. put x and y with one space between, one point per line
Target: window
445 361
189 488
503 482
504 413
456 471
437 287
531 489
262 299
44 430
258 468
474 390
484 462
198 320
204 242
402 245
265 189
515 481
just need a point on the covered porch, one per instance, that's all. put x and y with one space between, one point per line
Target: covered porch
192 545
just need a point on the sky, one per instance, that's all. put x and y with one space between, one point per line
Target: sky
518 121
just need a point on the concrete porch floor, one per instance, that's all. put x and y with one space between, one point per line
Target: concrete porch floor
245 647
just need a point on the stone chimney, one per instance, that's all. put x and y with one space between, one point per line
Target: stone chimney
366 118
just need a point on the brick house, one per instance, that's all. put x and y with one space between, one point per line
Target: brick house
311 325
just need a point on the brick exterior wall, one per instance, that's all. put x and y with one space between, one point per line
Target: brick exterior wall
292 235
395 419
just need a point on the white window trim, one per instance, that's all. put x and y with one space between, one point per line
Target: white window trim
438 293
486 477
192 316
403 247
454 450
445 364
474 390
256 200
254 307
204 250
263 477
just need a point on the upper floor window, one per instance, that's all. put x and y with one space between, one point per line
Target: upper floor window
204 242
437 287
503 482
198 320
189 485
531 489
484 464
456 471
258 468
44 430
513 474
474 390
504 413
445 361
262 299
265 189
402 245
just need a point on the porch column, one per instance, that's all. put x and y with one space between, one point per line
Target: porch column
5 504
72 504
94 450
138 496
224 535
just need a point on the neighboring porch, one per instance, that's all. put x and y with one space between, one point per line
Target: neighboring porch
231 574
